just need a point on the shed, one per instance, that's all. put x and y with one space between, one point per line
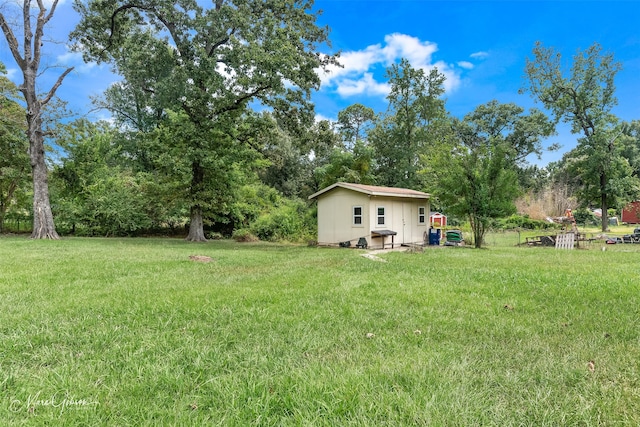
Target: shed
438 220
631 213
383 216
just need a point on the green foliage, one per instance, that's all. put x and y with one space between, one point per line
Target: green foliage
205 64
354 123
94 192
348 166
475 172
290 221
416 120
244 235
14 158
584 96
524 222
586 217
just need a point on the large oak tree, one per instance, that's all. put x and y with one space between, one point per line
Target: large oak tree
207 64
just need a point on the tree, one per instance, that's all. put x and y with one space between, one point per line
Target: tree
475 172
354 122
605 168
411 125
583 96
94 189
207 65
28 55
347 166
14 161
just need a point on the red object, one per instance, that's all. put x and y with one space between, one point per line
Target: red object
631 213
438 220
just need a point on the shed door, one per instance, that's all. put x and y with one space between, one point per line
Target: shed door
408 221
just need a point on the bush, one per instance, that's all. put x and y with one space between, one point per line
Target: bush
290 221
524 222
214 235
584 216
244 235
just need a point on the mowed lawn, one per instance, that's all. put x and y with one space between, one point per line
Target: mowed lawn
130 332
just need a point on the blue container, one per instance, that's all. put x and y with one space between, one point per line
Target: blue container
434 236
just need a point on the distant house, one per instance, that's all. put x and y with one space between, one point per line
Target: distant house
631 213
382 216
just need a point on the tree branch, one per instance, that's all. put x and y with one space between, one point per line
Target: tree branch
237 103
55 87
12 41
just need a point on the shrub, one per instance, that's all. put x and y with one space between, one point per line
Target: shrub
214 235
524 222
586 217
289 221
244 235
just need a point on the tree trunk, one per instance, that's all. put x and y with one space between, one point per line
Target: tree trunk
43 225
477 227
604 202
29 62
196 226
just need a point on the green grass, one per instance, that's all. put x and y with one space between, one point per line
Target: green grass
131 332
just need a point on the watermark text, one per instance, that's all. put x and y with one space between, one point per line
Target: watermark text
33 402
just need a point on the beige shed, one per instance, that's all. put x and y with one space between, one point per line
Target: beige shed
383 216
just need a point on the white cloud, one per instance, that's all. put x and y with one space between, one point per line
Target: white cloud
319 117
366 84
466 65
74 59
479 55
358 77
403 46
12 73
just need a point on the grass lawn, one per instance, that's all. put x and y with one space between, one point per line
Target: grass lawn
130 332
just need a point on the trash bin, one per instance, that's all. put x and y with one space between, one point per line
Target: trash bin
434 236
454 238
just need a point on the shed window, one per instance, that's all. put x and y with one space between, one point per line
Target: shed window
357 215
380 215
421 215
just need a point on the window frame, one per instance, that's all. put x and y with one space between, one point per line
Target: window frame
383 216
422 215
355 216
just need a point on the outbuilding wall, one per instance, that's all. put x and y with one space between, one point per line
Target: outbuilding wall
336 223
335 217
631 213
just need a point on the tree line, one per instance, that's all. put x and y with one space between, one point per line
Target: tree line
213 130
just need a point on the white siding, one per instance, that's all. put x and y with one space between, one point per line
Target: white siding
335 218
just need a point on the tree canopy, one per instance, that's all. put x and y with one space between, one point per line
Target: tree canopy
206 65
584 96
475 170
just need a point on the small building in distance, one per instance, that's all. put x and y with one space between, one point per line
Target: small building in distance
438 220
382 216
631 213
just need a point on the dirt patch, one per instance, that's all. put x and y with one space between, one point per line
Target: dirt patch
200 258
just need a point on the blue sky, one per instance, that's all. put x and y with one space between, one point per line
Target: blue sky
481 47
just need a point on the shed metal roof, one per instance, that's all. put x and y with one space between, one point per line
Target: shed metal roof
374 190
